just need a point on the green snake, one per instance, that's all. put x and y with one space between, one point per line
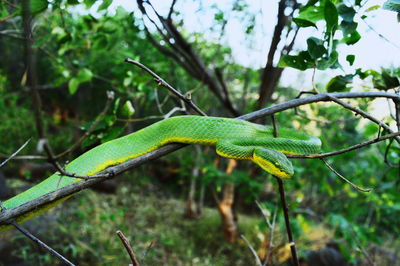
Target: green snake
233 138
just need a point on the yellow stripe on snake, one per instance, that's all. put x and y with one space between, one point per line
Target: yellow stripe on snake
233 138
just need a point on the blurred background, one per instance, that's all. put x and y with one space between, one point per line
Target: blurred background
232 57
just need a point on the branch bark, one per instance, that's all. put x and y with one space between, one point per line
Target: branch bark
184 54
271 74
7 216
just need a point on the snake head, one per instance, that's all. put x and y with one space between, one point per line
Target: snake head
274 162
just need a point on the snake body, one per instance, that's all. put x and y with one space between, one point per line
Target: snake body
233 138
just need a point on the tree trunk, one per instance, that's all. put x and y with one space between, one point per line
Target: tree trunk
225 207
191 210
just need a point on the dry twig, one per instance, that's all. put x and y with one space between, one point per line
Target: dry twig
128 248
163 83
345 179
252 250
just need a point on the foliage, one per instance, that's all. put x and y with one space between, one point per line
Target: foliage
80 57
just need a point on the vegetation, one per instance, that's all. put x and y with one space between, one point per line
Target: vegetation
192 205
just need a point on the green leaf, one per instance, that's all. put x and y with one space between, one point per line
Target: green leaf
127 109
348 27
371 8
89 3
303 23
38 6
219 16
384 81
311 2
352 38
392 5
84 75
311 13
100 41
346 13
302 61
72 2
370 129
328 62
331 17
350 58
104 5
363 75
339 83
315 47
73 85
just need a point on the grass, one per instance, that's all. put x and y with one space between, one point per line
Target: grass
83 229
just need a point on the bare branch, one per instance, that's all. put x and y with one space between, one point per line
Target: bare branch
171 9
386 160
315 98
115 170
271 228
110 97
7 216
285 210
279 108
345 179
354 147
42 244
148 249
163 83
184 53
363 114
36 240
15 153
128 248
258 261
271 237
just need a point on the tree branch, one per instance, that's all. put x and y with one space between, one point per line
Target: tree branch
128 248
186 56
163 83
8 215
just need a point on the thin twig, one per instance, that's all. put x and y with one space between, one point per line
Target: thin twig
313 81
361 248
345 179
7 216
42 244
351 148
397 107
316 98
128 248
278 108
285 210
258 261
386 159
275 127
163 83
287 221
148 249
379 34
271 238
272 229
35 239
115 170
363 114
110 97
15 153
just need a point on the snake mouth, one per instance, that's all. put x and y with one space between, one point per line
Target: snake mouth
272 168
